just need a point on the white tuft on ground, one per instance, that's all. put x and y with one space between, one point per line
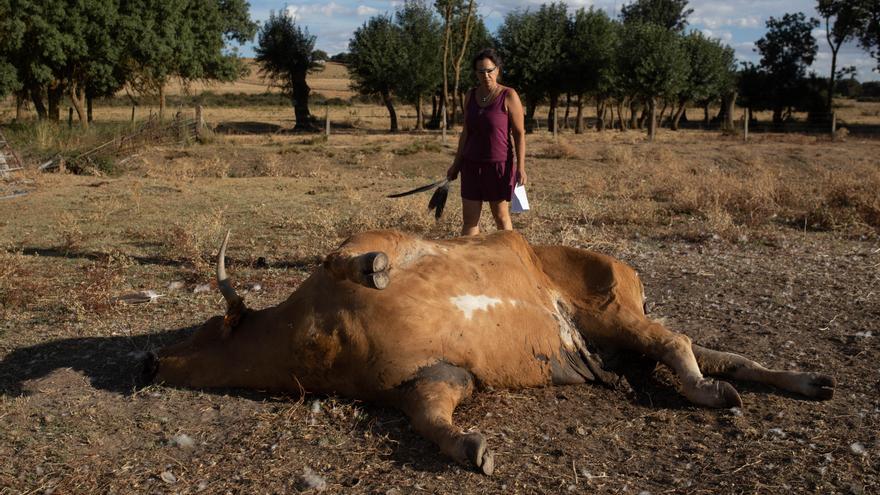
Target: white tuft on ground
777 431
736 411
144 296
316 407
312 480
183 441
168 477
254 288
176 285
202 288
857 448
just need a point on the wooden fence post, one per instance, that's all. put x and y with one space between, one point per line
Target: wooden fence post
833 123
745 125
327 120
200 121
555 125
443 120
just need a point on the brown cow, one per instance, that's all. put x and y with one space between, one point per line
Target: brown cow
419 324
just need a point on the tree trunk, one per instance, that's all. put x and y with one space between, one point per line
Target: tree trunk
600 114
663 112
620 116
447 16
77 97
579 116
54 96
567 110
706 114
531 105
301 112
457 68
39 106
633 114
386 98
834 50
419 125
652 118
89 101
162 101
679 112
554 104
777 115
725 115
20 101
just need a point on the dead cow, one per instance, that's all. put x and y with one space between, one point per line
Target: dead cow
419 324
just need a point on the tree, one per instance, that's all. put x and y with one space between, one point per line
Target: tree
711 76
844 27
10 43
868 12
531 45
653 63
420 35
671 14
590 60
787 49
286 54
375 62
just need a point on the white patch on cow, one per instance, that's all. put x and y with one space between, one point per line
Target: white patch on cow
567 332
467 304
512 302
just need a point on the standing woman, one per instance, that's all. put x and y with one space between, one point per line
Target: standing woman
491 153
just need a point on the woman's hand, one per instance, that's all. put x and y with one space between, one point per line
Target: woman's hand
452 172
523 177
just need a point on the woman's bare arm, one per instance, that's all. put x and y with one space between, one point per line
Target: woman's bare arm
518 129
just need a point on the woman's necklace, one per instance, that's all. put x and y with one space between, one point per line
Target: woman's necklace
484 99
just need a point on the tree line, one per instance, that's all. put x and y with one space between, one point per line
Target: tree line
643 67
93 48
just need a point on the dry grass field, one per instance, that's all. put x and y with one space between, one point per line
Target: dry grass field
769 248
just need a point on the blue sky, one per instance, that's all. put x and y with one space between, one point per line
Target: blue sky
736 22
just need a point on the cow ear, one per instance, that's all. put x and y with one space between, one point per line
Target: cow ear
234 314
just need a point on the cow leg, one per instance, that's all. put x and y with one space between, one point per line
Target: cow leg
429 400
632 331
369 269
813 385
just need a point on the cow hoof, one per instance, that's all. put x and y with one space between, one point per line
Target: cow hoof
373 262
819 386
477 452
378 280
714 393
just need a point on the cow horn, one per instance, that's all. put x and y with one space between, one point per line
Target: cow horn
233 300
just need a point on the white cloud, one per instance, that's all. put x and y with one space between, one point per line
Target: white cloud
364 10
312 10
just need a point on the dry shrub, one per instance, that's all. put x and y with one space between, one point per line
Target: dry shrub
270 166
69 232
616 154
191 241
419 146
12 274
559 150
840 134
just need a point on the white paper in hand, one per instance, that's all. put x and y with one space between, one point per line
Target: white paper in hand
519 203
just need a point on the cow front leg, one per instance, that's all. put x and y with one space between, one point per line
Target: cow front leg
368 269
813 385
429 401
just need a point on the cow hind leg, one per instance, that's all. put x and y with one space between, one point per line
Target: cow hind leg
368 269
634 332
812 385
429 401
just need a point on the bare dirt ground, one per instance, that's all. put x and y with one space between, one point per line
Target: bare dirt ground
769 249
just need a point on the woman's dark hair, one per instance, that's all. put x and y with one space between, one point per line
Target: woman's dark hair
489 54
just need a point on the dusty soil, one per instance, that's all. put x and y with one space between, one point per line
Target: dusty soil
768 249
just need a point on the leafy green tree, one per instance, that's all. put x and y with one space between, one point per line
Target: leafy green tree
787 49
532 46
868 13
589 57
286 54
375 62
653 63
13 30
712 73
842 21
421 63
671 14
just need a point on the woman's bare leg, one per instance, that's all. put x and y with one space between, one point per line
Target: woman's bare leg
470 212
501 214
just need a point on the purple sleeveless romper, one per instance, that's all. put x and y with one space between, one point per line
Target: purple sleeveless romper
488 170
